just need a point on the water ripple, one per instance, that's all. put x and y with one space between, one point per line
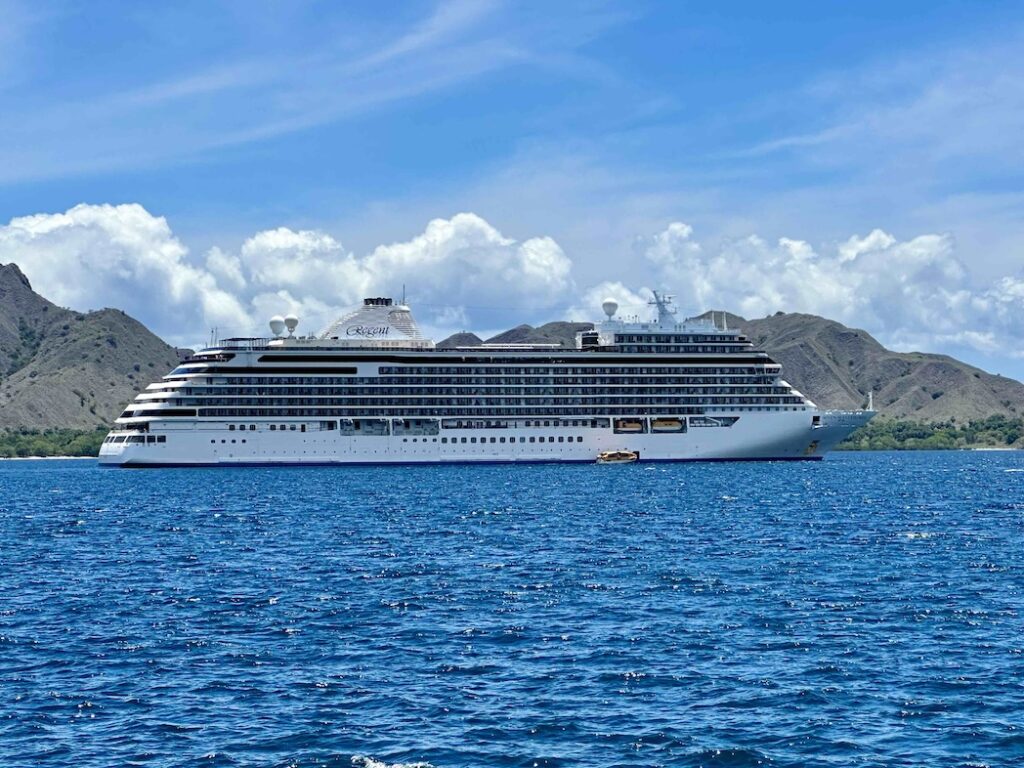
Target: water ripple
864 610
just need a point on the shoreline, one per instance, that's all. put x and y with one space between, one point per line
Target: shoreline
46 458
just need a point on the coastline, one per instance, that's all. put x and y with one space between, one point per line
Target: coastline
46 458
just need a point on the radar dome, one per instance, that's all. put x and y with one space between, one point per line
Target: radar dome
277 325
291 322
610 307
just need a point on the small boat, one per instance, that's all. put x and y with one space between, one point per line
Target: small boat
617 457
628 425
666 425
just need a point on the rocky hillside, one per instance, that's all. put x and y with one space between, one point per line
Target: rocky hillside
60 368
837 366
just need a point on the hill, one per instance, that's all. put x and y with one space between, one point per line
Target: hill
66 369
836 367
559 332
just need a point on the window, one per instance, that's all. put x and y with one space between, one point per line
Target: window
502 439
533 439
273 427
292 428
283 427
579 438
444 439
161 438
463 439
472 439
494 440
252 427
231 427
561 439
303 428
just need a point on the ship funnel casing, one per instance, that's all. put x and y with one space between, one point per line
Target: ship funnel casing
376 320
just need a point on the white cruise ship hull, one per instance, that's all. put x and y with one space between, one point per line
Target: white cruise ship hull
793 435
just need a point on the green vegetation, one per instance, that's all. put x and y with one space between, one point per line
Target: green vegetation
51 442
898 435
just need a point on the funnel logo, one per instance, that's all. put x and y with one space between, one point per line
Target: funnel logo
368 331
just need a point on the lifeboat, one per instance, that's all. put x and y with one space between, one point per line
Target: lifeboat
629 425
617 457
666 425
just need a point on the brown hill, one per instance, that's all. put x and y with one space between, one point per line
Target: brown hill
460 340
60 368
559 332
837 366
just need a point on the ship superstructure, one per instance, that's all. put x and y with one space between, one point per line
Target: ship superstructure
372 389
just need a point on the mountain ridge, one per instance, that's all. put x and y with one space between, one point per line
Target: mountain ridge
65 369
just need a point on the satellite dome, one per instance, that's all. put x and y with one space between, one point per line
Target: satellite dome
277 325
610 307
291 322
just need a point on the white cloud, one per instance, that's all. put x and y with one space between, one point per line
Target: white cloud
123 256
461 270
912 293
631 302
94 256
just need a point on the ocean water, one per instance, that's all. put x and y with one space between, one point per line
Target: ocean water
864 610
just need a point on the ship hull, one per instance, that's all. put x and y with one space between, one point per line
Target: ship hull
795 435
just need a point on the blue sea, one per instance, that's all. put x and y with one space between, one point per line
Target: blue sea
863 610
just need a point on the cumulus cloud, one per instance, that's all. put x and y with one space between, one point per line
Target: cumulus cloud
460 271
94 256
913 292
123 256
631 302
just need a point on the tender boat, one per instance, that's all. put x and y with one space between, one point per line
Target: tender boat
617 457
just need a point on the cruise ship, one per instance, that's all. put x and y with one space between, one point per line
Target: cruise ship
371 389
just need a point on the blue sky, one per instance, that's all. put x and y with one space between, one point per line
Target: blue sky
211 142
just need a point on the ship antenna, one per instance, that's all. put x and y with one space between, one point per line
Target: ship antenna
666 311
403 294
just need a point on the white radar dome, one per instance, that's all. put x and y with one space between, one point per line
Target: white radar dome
291 322
277 325
610 307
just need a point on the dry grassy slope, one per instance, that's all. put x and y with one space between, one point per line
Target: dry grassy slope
559 332
836 366
75 370
460 340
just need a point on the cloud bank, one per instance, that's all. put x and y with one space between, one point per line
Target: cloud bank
912 293
122 256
